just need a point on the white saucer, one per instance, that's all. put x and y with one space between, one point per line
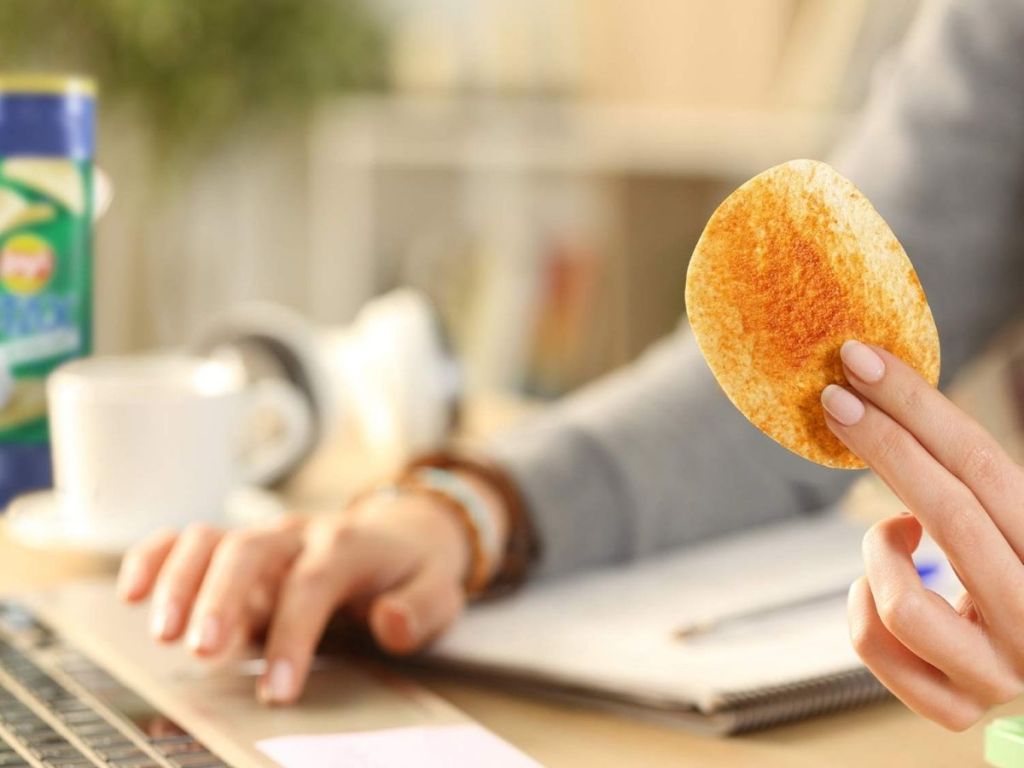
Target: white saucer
36 520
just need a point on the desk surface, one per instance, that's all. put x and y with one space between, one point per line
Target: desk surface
562 736
565 737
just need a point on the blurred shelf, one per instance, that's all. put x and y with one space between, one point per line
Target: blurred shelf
565 136
556 231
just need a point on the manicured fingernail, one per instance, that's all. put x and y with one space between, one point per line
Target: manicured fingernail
862 361
844 406
205 634
279 684
166 621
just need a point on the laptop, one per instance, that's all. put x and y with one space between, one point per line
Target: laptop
82 685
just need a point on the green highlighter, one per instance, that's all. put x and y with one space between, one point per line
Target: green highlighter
1004 743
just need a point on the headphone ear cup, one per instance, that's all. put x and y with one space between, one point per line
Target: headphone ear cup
405 384
275 342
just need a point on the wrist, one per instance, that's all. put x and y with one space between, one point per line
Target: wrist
521 544
420 518
444 534
476 507
493 507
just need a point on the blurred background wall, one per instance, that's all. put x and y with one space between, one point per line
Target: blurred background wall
542 168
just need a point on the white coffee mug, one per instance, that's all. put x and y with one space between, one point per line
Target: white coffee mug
141 443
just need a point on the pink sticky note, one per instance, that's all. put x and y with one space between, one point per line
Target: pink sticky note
446 746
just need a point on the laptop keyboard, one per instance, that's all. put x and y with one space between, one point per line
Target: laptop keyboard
58 709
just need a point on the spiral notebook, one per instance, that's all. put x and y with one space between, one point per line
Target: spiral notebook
734 635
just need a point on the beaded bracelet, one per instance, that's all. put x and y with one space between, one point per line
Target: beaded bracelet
466 504
522 544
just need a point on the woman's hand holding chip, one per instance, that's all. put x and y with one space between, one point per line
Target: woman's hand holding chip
948 663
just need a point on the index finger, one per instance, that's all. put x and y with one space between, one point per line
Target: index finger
959 443
307 601
944 505
321 579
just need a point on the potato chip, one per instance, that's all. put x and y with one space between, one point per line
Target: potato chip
792 264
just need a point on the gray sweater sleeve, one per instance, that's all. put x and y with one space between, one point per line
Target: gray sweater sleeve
655 456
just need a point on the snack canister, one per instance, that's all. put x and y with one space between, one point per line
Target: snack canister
47 144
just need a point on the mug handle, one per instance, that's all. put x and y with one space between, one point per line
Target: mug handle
265 463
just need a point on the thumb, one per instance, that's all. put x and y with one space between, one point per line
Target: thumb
406 618
909 528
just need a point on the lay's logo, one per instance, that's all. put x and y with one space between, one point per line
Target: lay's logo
26 264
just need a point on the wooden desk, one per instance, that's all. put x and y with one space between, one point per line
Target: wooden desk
562 736
557 735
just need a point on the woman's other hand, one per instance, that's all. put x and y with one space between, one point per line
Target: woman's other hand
399 562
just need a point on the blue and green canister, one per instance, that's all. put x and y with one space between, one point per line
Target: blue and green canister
47 145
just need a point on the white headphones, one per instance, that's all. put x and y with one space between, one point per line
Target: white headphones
389 376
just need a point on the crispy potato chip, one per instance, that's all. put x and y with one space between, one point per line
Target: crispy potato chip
792 264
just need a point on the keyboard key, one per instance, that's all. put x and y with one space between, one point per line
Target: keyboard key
63 751
70 704
120 752
18 714
181 747
161 742
109 739
81 717
98 728
28 727
197 760
9 758
44 741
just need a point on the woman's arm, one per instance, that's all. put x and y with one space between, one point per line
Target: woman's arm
655 456
940 153
652 457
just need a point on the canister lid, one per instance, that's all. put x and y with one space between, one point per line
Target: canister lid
40 83
47 115
1004 742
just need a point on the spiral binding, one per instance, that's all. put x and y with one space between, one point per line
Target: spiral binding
739 712
765 707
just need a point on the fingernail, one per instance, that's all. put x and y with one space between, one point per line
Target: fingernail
862 361
279 684
166 621
205 634
403 628
412 626
127 581
844 406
